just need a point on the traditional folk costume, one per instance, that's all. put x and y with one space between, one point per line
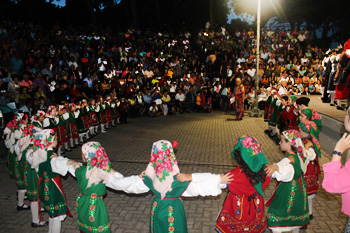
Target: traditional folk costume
50 191
293 113
275 110
342 77
167 210
72 129
334 60
101 115
123 110
267 108
51 122
109 114
289 205
93 116
62 128
82 120
313 172
326 64
10 142
243 209
239 97
115 113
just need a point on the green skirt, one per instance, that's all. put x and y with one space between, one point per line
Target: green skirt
19 165
11 160
31 182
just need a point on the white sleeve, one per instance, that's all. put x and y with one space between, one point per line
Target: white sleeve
28 157
310 155
17 148
76 114
65 116
203 184
59 165
286 171
278 103
46 122
130 184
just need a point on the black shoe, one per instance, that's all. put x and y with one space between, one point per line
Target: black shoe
23 207
272 135
340 108
40 224
304 227
331 104
278 142
311 216
267 131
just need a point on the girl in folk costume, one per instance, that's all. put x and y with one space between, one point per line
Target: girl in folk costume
109 114
342 76
282 117
30 177
123 109
91 209
88 118
239 99
289 209
62 129
243 209
72 128
81 119
50 191
267 105
38 120
101 114
311 115
273 113
310 135
93 117
115 112
51 122
292 113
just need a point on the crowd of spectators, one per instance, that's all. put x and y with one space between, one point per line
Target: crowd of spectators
157 73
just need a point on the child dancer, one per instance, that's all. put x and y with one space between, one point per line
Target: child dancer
93 117
50 189
309 133
72 129
81 120
274 110
38 119
101 115
62 129
243 209
289 209
51 121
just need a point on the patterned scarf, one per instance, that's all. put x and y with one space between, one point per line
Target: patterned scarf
311 128
163 166
41 145
312 115
252 155
293 136
97 158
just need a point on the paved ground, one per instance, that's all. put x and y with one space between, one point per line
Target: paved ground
205 144
325 108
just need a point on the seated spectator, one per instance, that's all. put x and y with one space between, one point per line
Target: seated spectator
180 99
153 111
23 96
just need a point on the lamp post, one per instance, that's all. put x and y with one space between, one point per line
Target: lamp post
255 112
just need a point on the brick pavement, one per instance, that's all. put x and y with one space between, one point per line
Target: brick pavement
205 144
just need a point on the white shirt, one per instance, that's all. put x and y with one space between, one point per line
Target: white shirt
180 97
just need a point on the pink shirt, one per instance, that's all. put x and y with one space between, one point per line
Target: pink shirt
337 180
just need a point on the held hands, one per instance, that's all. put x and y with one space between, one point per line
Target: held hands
270 169
226 178
142 174
182 177
54 155
75 164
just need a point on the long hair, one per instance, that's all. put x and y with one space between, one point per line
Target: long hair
254 177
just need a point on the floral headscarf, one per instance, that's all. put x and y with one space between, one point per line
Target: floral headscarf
48 113
310 127
28 133
162 167
293 98
41 143
12 128
97 158
312 115
293 136
252 155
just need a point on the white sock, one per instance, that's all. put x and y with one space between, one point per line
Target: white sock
56 226
332 97
296 230
50 224
59 150
276 231
34 208
71 142
20 198
273 130
87 135
65 145
96 129
103 128
81 137
113 122
310 203
118 120
76 141
339 103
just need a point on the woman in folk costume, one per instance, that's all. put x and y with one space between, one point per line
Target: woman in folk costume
93 117
342 76
163 178
63 116
309 133
38 120
101 115
239 99
72 128
311 115
243 209
92 181
50 191
289 210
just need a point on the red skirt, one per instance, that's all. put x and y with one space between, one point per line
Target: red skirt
266 112
74 130
103 118
312 177
63 134
86 120
341 92
109 115
93 117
